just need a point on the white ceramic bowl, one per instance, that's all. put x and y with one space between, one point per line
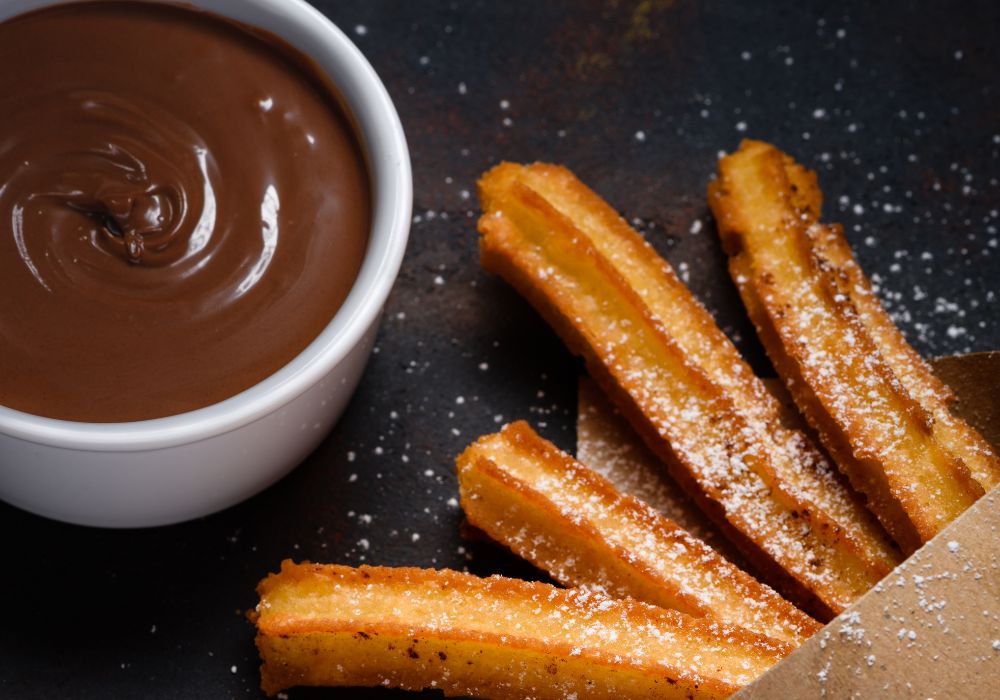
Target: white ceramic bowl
166 470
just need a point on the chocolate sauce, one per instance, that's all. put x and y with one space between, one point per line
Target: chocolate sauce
183 208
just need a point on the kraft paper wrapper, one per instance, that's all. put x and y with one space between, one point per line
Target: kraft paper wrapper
931 629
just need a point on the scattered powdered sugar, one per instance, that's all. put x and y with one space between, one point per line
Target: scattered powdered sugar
823 673
930 615
850 627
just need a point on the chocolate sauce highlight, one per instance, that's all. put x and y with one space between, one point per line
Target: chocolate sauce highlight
183 208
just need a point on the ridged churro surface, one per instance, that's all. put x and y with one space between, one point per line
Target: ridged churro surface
571 522
875 403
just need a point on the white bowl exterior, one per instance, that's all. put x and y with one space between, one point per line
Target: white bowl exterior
180 467
162 486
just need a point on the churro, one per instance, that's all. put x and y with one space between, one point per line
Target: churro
494 637
682 384
571 522
875 403
606 443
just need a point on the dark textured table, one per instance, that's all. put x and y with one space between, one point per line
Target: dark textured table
896 106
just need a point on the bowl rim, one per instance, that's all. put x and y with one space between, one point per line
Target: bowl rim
369 107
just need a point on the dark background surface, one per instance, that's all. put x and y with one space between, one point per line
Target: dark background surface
895 104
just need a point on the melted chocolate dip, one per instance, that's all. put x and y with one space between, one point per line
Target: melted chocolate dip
183 208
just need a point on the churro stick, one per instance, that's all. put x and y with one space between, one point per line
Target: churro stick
877 407
680 382
494 637
571 522
606 443
913 372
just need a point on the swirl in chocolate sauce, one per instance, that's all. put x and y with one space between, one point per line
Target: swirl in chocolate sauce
133 168
183 208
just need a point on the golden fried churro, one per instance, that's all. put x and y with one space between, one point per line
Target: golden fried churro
682 385
494 637
877 407
606 443
571 522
